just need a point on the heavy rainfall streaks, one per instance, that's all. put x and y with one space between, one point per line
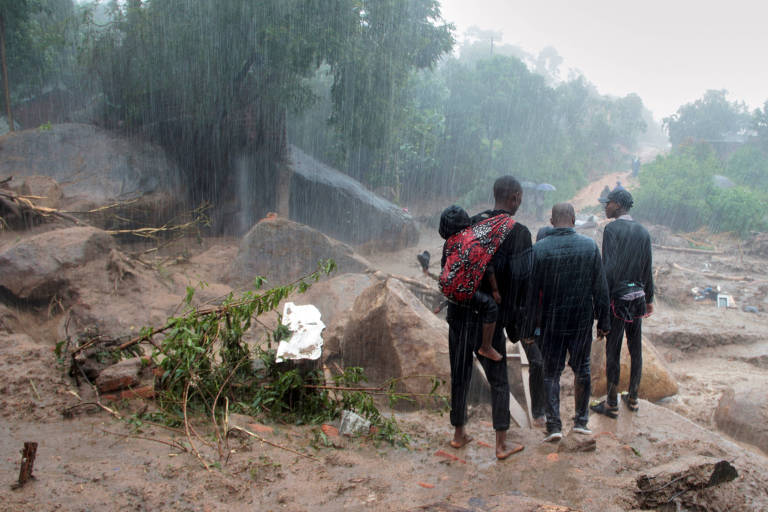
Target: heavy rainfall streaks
344 254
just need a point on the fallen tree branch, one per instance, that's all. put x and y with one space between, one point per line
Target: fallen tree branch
712 275
133 436
20 205
686 250
256 436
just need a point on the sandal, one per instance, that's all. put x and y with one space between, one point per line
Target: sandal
631 403
605 409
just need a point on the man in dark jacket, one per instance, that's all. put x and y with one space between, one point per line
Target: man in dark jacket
628 266
568 291
511 264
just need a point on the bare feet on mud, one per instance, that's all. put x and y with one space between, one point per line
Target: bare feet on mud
490 353
461 441
504 451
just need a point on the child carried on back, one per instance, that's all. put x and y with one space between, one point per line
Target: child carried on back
453 220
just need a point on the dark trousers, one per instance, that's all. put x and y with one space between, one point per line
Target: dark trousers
554 347
613 342
464 338
536 378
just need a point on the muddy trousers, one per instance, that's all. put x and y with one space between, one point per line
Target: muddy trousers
613 342
554 348
464 338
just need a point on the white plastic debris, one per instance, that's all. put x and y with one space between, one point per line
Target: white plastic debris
352 423
305 324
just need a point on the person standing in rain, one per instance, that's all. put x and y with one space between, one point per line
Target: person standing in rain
628 266
511 264
568 291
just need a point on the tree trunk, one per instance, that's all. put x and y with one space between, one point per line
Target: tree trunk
5 74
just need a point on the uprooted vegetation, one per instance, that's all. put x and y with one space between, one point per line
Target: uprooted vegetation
205 370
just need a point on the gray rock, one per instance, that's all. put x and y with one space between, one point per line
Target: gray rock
283 251
32 267
340 206
90 163
743 415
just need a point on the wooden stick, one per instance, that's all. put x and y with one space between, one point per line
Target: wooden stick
28 455
241 429
168 443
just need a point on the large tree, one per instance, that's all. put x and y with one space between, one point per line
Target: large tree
213 80
711 119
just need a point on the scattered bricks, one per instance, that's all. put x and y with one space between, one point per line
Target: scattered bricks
330 430
426 485
449 456
124 374
261 429
129 394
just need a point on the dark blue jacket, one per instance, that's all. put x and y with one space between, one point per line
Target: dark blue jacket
627 257
568 289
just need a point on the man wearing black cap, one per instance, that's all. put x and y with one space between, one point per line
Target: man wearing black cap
628 266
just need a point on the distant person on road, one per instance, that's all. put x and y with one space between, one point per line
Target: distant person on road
568 291
604 193
511 267
486 299
635 166
628 266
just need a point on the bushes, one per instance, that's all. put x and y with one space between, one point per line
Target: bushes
678 191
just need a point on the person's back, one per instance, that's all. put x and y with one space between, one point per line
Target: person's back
627 256
566 270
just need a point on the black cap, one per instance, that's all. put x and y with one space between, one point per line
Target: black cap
620 196
453 220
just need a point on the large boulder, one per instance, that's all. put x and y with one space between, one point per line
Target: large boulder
743 415
656 383
335 296
95 167
89 162
334 203
33 268
392 335
282 251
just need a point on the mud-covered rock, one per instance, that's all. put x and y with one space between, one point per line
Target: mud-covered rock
656 383
33 268
743 415
391 334
282 251
46 191
121 375
7 318
335 296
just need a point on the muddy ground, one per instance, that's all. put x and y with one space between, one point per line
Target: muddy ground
93 461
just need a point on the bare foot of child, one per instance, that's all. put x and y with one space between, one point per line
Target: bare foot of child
490 353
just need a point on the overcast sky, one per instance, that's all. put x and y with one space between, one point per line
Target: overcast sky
668 52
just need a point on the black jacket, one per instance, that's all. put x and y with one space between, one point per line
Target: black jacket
627 257
512 265
568 289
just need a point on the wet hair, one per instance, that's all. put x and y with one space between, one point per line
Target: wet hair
505 187
452 220
563 212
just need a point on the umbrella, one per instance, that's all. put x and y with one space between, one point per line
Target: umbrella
527 184
722 181
546 187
